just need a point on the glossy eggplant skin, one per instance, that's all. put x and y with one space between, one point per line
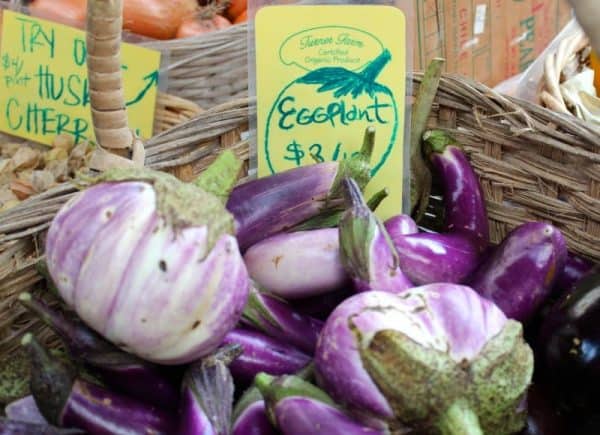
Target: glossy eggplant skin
570 346
543 418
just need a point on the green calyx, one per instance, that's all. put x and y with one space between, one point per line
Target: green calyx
255 311
274 389
220 177
180 204
436 141
426 388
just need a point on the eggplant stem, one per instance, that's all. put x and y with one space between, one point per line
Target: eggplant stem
368 145
352 194
436 141
377 198
221 176
459 419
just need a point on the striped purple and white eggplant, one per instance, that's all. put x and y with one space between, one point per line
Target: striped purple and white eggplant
68 401
150 263
520 273
438 357
208 394
366 249
576 268
262 353
17 427
250 415
276 318
298 264
298 408
122 371
428 258
400 225
464 202
24 409
271 205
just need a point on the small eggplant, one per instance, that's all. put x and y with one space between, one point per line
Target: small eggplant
299 408
271 205
400 225
366 249
320 306
122 371
570 338
16 427
519 275
208 394
427 258
250 415
576 268
262 353
66 401
464 202
277 318
296 265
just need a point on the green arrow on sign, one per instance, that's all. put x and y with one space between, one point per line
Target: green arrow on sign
151 80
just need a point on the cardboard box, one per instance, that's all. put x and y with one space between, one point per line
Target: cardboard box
488 40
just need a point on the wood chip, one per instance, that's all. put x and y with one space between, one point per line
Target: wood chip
26 158
78 157
59 169
64 141
56 154
6 166
9 149
21 189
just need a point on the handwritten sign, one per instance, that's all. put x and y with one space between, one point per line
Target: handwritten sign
323 75
43 81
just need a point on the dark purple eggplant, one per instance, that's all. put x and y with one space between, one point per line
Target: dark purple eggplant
519 274
271 205
119 370
320 306
570 346
575 269
298 407
208 394
464 203
543 418
250 415
277 318
68 401
16 427
262 353
366 249
427 258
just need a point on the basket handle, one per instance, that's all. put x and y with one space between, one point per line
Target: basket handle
118 146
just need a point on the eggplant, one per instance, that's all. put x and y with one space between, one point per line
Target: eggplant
366 249
298 408
320 306
464 203
250 416
543 418
26 410
428 258
270 205
262 353
16 427
575 269
570 337
519 275
400 225
277 318
208 394
299 264
122 371
68 401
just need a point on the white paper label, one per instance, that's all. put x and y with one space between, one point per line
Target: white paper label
479 24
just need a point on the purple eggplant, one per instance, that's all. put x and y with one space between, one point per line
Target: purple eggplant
575 269
262 353
271 205
68 401
122 371
464 202
570 346
400 225
16 427
208 394
298 408
250 415
277 319
24 409
519 275
321 306
542 416
427 258
299 264
366 249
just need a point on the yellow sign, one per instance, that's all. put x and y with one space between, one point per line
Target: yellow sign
43 81
323 75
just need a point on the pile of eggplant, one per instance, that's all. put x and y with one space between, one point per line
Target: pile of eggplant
285 305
